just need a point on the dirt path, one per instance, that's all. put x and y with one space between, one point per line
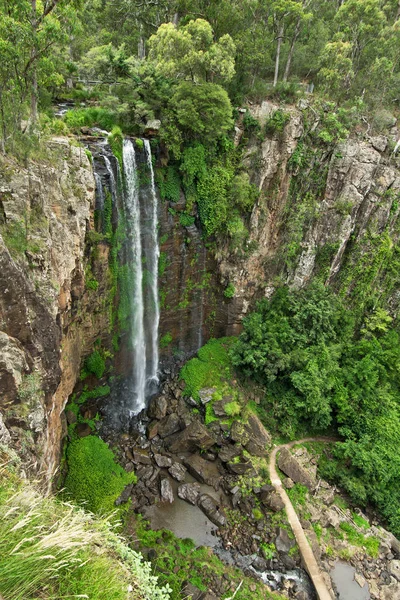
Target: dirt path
306 552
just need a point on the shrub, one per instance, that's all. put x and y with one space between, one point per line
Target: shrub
94 478
166 340
232 409
116 139
276 122
229 291
95 364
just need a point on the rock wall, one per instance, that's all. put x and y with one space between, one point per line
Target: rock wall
356 200
44 215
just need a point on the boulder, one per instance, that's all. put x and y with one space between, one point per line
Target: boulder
169 425
194 437
219 406
289 465
272 501
164 462
141 458
167 494
211 509
152 429
239 433
189 492
83 430
5 437
259 439
177 471
152 127
191 592
228 453
206 395
394 569
283 543
239 468
202 470
158 408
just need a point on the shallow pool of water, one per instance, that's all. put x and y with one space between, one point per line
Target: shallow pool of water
184 519
347 588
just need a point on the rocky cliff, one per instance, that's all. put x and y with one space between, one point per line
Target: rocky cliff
44 214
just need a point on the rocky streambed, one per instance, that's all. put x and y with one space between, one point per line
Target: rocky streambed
211 483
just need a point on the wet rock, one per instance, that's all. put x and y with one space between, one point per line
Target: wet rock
158 408
152 430
211 509
167 494
125 495
293 469
194 437
206 395
164 462
189 492
260 564
283 542
228 453
169 425
202 470
83 430
141 458
177 471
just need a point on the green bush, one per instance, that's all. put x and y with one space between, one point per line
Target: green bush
93 477
276 122
95 364
90 117
166 340
116 140
232 409
229 291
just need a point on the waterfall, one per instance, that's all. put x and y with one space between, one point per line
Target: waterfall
99 192
132 207
152 267
113 183
141 208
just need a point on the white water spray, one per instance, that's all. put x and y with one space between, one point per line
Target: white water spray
138 334
152 266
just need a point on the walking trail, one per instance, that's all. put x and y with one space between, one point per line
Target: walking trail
306 552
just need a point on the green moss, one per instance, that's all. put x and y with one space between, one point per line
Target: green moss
116 140
94 478
232 409
95 364
209 369
229 291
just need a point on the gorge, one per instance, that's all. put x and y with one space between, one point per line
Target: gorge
199 300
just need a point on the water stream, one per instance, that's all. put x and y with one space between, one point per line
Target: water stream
132 207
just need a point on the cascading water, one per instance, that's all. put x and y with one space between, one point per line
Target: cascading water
152 266
99 192
141 207
113 183
132 207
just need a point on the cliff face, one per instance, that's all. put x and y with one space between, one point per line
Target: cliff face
326 212
44 214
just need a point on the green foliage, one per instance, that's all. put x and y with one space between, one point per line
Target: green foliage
229 291
276 122
232 409
268 550
257 514
166 340
139 143
116 139
209 368
298 494
169 183
95 364
93 477
369 543
186 220
250 124
40 536
90 117
321 369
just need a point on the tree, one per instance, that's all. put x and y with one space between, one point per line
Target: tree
190 53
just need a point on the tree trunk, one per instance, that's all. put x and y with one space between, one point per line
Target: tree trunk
291 51
34 89
278 54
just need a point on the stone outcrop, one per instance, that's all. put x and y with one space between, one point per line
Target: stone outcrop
289 465
192 438
44 216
